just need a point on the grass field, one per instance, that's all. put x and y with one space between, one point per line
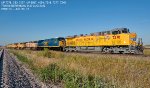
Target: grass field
146 51
74 70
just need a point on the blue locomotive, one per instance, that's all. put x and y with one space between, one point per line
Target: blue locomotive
52 43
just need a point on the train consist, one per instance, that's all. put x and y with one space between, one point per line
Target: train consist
118 40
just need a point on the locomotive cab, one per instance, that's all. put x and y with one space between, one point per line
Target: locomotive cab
61 42
120 31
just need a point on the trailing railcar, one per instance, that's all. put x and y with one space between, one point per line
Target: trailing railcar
21 45
32 45
118 40
12 46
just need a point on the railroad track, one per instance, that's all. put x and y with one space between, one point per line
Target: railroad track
99 53
1 67
14 75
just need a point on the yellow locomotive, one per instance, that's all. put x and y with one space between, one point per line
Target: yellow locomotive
13 46
118 40
21 45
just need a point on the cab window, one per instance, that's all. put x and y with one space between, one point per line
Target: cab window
108 32
116 32
125 31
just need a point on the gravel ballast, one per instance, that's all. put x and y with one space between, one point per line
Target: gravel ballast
16 75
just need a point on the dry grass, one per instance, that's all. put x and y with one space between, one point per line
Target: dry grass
146 51
121 71
37 58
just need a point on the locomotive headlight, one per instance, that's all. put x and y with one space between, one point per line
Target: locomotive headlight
133 39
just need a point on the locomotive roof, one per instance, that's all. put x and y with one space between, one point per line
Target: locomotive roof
116 29
97 33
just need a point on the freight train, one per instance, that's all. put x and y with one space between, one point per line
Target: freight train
118 40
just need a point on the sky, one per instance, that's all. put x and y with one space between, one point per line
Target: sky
74 18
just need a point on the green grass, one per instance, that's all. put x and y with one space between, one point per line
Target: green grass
71 79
